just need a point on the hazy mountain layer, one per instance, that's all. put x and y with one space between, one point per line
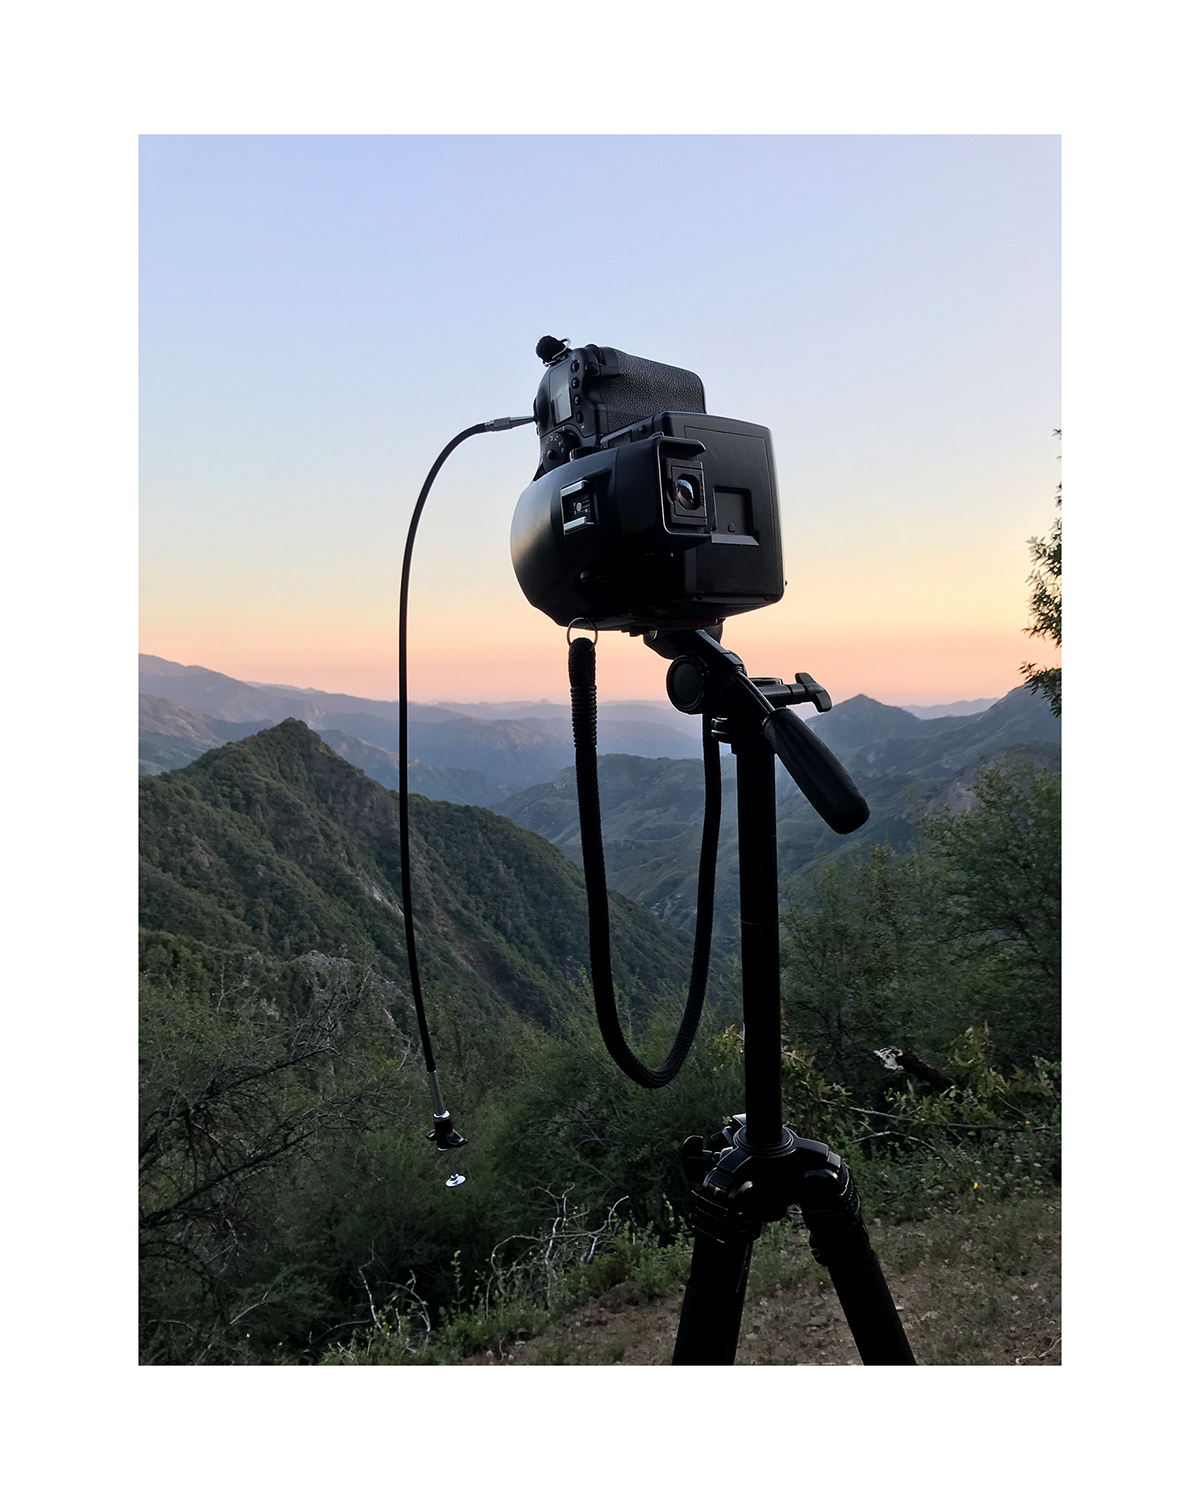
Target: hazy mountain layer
225 697
862 721
442 783
651 809
949 710
1020 717
169 736
507 749
656 712
484 757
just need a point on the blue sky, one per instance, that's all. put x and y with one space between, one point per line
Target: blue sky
320 314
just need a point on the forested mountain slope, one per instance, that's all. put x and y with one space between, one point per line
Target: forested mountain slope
652 809
277 845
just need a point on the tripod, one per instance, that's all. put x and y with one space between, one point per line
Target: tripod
755 1169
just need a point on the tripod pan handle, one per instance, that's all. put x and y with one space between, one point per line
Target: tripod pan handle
816 770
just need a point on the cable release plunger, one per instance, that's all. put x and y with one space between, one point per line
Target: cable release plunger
443 1134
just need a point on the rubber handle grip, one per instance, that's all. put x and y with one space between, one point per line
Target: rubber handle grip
816 770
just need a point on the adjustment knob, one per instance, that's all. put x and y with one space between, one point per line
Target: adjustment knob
549 349
687 684
557 448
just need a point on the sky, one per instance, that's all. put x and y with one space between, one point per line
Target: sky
320 314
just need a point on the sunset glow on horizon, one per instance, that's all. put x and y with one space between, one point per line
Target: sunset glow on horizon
525 658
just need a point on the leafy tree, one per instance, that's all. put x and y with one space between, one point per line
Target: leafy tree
1045 604
236 1103
1005 855
868 962
906 951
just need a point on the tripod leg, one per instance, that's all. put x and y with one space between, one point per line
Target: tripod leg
711 1317
830 1205
867 1303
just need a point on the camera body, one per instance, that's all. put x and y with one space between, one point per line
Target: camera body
645 511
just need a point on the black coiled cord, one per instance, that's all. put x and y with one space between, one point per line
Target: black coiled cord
581 668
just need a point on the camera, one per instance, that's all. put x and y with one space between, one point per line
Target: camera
645 511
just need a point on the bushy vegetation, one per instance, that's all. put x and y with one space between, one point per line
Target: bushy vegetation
288 1192
292 1210
988 1134
520 1294
906 951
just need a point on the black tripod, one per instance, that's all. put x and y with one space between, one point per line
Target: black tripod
756 1168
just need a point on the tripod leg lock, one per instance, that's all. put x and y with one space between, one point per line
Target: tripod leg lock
720 1219
737 1188
832 1211
838 1239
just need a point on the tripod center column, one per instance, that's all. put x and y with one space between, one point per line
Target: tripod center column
759 880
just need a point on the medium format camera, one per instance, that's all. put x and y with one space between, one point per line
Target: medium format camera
645 512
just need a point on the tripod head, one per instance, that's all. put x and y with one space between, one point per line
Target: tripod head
706 678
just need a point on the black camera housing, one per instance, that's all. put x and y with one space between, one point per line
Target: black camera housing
670 520
587 394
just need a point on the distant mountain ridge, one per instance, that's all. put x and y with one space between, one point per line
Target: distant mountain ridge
861 720
511 752
652 808
949 710
169 735
1021 717
441 783
476 752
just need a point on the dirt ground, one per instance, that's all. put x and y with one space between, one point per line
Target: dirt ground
974 1289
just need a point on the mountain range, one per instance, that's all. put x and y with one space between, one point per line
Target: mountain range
479 753
510 750
274 846
651 809
170 735
517 759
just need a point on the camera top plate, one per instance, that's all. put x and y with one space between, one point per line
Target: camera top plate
587 394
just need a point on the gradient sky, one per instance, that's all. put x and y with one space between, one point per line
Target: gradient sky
320 315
